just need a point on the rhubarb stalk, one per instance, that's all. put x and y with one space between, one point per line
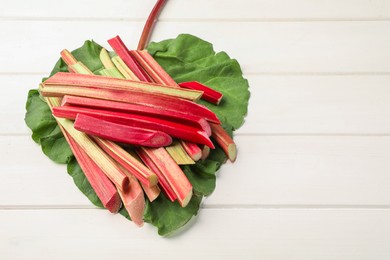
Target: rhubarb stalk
149 24
121 133
225 141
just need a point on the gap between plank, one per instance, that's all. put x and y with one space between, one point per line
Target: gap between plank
228 206
202 20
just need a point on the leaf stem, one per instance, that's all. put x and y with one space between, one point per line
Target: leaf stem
145 36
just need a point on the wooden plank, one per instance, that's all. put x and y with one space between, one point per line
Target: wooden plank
201 9
278 105
215 234
302 47
270 170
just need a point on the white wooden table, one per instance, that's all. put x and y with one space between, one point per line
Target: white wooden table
312 179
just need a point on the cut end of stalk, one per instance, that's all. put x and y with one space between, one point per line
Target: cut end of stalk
114 204
232 152
187 199
68 57
153 180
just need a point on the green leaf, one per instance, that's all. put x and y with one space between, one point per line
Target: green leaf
169 216
186 58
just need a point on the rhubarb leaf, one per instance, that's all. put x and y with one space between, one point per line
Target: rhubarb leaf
169 216
188 58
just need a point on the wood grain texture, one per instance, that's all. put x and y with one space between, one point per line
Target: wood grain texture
231 234
296 47
201 9
269 171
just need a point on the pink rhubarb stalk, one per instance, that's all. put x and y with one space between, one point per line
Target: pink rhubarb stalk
225 141
134 200
155 71
152 100
162 181
175 177
121 133
101 82
127 161
209 94
120 48
171 128
176 116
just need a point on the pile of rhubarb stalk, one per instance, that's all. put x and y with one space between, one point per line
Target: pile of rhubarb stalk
132 125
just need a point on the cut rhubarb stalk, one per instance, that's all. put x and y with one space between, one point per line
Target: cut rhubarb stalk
133 200
192 149
74 65
176 116
150 23
151 100
225 141
100 82
173 129
136 168
175 177
155 71
120 48
105 163
162 181
124 70
68 57
205 152
105 190
111 73
179 154
151 192
106 59
209 94
121 133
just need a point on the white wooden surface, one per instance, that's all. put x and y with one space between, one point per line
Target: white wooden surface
312 180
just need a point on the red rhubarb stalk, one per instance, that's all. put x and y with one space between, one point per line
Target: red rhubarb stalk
225 141
145 36
192 149
175 177
127 161
139 109
151 100
171 128
151 192
209 94
162 181
205 152
121 133
120 48
100 82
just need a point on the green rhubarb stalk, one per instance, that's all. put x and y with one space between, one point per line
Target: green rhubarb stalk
178 153
122 67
